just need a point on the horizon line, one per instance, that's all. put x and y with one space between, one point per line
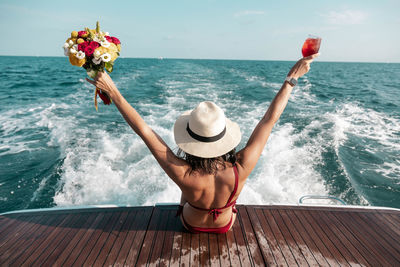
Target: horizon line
174 58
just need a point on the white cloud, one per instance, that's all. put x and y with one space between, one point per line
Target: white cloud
249 13
346 17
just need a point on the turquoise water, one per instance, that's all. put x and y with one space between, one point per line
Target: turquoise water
339 135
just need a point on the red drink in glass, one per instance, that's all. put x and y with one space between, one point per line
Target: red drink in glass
311 46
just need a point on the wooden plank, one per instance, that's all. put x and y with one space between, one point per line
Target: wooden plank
204 250
10 252
359 232
273 242
186 249
14 226
195 251
360 254
214 253
355 243
292 256
223 250
391 223
120 239
177 242
340 244
313 241
381 224
166 253
52 241
79 239
18 244
82 249
381 236
48 228
233 249
250 238
244 254
159 238
306 231
109 242
268 245
148 241
98 240
287 227
134 239
21 226
63 248
9 221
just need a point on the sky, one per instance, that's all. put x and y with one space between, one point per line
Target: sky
358 30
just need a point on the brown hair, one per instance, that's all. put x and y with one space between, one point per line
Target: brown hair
207 165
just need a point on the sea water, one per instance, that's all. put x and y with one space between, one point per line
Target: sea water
339 135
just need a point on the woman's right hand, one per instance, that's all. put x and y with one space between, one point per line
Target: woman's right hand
105 83
302 66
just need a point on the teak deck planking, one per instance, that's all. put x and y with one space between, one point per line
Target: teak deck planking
153 236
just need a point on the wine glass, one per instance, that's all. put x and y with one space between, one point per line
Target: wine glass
311 45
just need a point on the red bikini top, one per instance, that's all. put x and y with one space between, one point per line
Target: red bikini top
215 212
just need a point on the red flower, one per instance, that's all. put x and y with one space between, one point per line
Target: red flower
115 40
94 44
89 50
82 46
109 38
81 33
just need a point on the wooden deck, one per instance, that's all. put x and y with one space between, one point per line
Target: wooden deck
261 235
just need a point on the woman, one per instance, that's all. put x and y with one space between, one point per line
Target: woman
207 169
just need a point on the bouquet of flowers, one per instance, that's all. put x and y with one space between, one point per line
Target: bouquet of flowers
95 51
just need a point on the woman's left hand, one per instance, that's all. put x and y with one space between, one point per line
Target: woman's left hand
105 83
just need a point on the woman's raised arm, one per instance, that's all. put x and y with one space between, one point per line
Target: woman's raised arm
172 165
250 154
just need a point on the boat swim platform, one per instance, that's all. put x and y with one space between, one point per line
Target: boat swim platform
152 236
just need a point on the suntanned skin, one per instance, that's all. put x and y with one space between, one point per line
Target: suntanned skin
200 189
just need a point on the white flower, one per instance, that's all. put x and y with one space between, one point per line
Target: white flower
105 57
96 61
71 43
106 33
96 54
66 51
80 55
72 50
75 46
97 39
105 44
66 45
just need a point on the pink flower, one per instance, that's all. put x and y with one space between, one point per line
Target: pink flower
81 33
115 40
94 44
89 50
82 46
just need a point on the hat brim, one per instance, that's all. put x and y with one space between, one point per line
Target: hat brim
205 149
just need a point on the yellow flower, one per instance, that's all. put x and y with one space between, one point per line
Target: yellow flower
119 47
74 34
76 61
71 39
80 40
112 50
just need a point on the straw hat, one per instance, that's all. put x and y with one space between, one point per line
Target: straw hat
206 132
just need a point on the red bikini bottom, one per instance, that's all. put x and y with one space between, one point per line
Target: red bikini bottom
198 230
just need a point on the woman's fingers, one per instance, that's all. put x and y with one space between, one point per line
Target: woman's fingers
90 81
311 58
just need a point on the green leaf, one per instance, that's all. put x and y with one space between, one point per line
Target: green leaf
109 66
